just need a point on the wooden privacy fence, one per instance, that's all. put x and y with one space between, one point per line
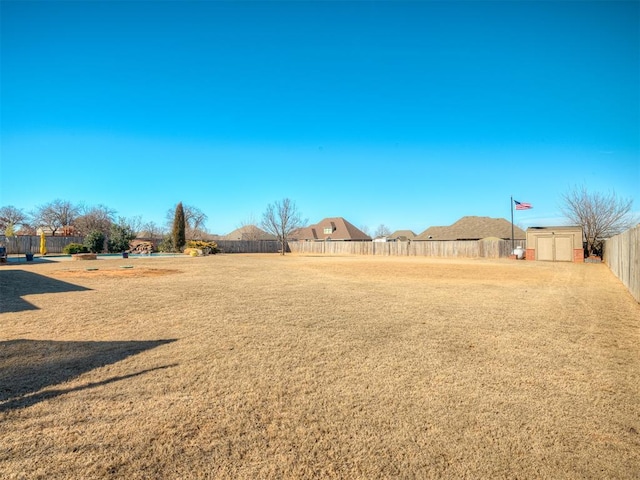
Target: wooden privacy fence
248 246
494 248
31 243
467 248
622 254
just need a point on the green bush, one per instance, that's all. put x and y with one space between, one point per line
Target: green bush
120 236
166 245
94 241
73 248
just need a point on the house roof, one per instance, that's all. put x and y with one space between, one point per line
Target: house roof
248 232
561 227
473 228
402 235
333 228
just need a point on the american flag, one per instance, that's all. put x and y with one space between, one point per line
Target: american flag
522 205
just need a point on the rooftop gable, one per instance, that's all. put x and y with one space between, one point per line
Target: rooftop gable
248 232
331 228
402 235
473 228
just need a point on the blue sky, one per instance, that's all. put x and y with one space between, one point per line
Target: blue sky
405 114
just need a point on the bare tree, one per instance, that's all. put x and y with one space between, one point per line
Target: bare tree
600 215
56 215
135 223
194 219
382 231
27 229
10 215
280 219
95 219
152 230
250 230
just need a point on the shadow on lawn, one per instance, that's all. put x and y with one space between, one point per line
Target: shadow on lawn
14 284
28 366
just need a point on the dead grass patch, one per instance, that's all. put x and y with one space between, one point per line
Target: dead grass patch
124 271
258 366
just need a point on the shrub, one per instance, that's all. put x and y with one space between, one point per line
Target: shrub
166 245
94 241
120 236
73 248
206 247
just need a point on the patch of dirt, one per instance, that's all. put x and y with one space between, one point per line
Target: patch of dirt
116 272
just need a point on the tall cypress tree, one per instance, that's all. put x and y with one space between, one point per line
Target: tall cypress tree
179 227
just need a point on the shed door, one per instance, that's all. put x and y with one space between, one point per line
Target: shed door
544 248
563 248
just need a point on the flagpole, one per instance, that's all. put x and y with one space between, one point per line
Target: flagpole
512 223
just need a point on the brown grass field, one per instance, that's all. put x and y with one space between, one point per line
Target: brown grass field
262 366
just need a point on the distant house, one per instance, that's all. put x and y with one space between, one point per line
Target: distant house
67 231
147 235
248 232
334 229
401 236
474 228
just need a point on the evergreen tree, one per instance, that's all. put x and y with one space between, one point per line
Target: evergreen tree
179 227
120 236
95 241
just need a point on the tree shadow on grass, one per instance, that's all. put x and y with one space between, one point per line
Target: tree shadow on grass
15 284
28 366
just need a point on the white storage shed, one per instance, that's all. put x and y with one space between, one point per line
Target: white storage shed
555 244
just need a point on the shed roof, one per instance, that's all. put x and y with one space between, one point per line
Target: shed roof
561 227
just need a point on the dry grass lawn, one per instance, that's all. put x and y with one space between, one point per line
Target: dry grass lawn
261 366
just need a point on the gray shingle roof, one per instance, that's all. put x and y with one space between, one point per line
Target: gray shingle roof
248 232
473 228
332 228
402 235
